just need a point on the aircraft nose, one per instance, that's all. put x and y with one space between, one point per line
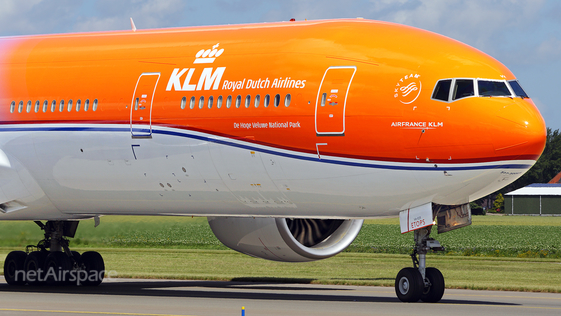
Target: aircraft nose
523 131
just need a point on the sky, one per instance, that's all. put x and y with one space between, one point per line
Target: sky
523 35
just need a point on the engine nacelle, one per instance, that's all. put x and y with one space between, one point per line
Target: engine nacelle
283 239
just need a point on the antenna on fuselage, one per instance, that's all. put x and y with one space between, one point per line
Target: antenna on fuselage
133 26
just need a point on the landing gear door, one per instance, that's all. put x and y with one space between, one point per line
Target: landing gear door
331 100
452 217
141 105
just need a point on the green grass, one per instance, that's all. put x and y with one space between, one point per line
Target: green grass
496 253
123 231
543 275
485 239
497 236
503 220
346 268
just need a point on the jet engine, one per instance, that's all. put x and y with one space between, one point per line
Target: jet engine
284 239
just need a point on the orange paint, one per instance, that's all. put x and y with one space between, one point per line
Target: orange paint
365 120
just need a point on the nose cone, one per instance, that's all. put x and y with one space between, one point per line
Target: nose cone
522 133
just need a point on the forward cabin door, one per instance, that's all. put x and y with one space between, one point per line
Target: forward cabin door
141 106
332 100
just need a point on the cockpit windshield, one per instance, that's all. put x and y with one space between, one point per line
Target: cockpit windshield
463 88
450 90
488 88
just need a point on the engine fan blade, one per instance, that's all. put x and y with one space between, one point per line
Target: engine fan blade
310 232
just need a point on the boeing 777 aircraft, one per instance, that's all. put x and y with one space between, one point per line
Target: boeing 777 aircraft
284 135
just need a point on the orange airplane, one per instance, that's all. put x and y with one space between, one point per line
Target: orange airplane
285 135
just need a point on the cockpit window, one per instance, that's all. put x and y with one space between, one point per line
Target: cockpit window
466 87
463 88
442 90
489 88
518 91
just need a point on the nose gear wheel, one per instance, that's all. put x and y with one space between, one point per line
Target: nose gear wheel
420 282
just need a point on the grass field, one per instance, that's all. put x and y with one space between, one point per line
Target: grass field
496 252
483 273
498 236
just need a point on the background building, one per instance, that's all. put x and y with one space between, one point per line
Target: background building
535 199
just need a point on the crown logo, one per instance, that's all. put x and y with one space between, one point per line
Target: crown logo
208 56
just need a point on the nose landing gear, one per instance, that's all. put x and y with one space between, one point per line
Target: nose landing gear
52 262
419 282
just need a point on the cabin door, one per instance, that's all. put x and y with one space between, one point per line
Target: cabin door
141 106
332 100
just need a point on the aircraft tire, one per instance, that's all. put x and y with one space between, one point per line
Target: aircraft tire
93 263
409 285
56 268
14 262
435 291
76 255
35 261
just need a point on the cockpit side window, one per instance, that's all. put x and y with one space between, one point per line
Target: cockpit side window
463 88
488 88
518 91
442 90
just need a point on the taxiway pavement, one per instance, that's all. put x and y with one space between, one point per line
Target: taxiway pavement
137 297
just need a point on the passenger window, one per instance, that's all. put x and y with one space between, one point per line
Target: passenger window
45 106
442 90
12 106
266 100
61 106
489 88
37 103
183 102
192 103
201 102
69 106
210 102
287 100
229 102
86 105
257 101
28 109
463 88
247 101
94 105
277 100
219 102
53 106
323 98
517 88
238 101
78 104
20 106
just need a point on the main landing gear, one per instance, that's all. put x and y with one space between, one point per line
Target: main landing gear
51 262
419 282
